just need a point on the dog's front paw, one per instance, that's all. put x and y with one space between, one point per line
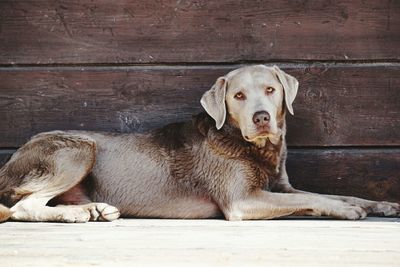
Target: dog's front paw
349 212
383 208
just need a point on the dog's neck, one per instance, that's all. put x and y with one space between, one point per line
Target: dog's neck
229 141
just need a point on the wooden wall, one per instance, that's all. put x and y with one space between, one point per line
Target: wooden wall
132 65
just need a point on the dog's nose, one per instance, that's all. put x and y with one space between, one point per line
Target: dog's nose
261 118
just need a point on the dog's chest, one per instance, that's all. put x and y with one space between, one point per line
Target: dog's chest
219 161
264 165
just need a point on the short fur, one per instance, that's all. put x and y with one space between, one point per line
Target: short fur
217 165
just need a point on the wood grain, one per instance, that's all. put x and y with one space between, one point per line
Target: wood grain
135 31
217 243
5 155
366 173
336 104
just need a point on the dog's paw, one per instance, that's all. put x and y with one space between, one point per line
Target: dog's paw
103 212
383 208
74 215
349 212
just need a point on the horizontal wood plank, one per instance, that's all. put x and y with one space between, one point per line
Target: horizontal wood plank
5 155
336 104
135 31
366 173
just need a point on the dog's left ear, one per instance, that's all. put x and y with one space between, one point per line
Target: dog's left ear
213 101
290 87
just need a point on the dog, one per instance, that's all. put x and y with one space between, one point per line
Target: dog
228 162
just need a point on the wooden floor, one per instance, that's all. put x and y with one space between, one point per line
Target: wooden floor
139 242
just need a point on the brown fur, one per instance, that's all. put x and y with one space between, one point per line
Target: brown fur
5 213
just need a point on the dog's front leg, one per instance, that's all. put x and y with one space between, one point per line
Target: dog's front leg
267 205
379 208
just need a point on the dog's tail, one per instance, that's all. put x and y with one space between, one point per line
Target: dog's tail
5 213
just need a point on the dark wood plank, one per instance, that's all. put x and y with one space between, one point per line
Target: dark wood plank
336 104
366 173
5 155
103 31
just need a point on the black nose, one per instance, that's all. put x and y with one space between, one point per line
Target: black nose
261 118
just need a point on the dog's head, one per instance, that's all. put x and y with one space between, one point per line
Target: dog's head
253 99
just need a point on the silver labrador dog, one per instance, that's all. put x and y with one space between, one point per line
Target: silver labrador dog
229 162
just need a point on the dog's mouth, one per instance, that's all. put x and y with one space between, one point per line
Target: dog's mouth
261 135
258 135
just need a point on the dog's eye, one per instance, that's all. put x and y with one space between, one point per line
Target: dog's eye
269 90
240 96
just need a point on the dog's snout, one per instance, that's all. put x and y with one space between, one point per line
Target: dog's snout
261 118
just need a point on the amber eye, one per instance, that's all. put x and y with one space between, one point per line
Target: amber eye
269 90
240 96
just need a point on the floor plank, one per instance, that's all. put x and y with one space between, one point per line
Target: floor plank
139 242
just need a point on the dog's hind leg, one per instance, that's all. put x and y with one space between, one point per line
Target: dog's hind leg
34 209
52 164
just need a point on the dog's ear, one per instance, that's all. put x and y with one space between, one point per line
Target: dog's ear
213 101
290 87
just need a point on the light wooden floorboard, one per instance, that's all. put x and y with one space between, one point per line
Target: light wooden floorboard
148 242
